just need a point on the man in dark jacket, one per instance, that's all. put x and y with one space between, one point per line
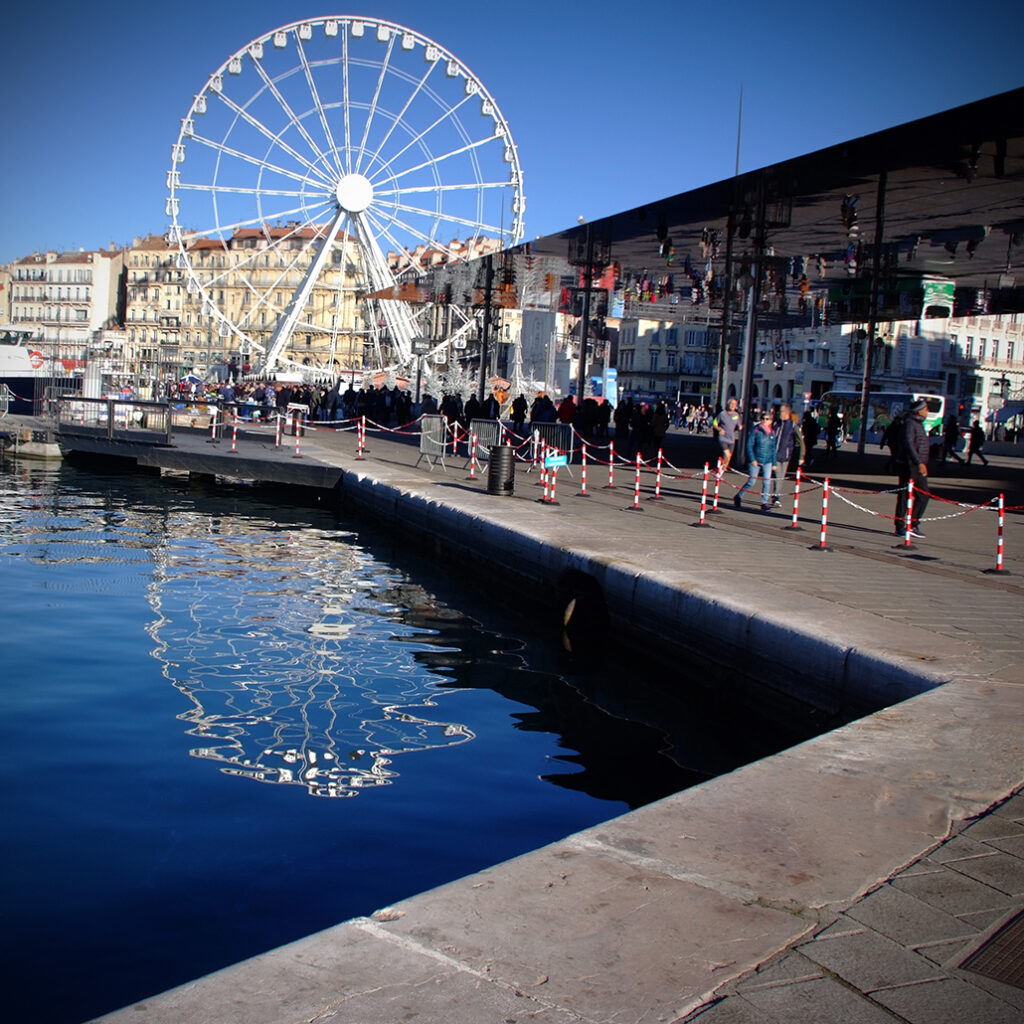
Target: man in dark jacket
912 464
791 441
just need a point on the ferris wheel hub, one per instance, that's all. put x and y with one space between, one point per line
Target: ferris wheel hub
354 193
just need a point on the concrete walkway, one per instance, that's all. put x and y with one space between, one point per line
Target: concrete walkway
844 879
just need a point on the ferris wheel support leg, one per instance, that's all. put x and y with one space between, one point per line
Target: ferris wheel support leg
286 325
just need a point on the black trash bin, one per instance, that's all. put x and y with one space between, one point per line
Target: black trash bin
501 469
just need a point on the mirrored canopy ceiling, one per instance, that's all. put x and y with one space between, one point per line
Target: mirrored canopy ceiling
945 194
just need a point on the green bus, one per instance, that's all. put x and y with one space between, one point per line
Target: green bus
883 408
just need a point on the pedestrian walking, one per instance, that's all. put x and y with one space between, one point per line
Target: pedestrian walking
728 426
975 443
912 462
950 437
790 443
762 454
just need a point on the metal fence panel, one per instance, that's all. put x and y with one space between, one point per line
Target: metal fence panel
488 434
556 435
433 436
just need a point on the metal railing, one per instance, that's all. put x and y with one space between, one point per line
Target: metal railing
115 419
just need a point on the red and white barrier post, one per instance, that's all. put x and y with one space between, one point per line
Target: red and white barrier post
583 474
636 488
999 544
298 437
718 485
611 464
277 432
704 495
360 437
795 525
234 434
213 423
656 496
907 526
824 516
472 456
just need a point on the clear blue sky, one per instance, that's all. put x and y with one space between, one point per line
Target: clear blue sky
611 104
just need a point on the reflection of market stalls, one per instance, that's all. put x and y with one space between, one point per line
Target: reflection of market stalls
305 675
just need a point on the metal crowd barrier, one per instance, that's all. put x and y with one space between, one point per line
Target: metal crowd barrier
433 437
488 435
556 435
115 419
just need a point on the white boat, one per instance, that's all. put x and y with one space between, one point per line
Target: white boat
26 373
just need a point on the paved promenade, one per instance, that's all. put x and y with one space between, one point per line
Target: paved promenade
846 879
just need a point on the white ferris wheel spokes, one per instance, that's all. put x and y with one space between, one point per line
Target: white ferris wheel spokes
314 161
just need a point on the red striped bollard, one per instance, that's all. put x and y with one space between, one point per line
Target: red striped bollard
635 507
535 439
472 456
907 525
234 435
824 517
543 499
455 439
999 545
656 496
277 433
298 437
795 525
583 475
554 484
704 495
360 437
611 464
213 424
718 485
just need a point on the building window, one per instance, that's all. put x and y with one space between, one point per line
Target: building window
1010 348
969 351
981 350
995 350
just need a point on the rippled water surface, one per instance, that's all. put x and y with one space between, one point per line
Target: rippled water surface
227 722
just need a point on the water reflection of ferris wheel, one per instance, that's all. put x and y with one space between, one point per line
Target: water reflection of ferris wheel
285 647
312 153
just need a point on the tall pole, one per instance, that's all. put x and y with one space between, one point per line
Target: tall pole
723 345
869 344
739 132
588 276
750 334
486 332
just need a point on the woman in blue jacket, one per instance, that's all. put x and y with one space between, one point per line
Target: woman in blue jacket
762 452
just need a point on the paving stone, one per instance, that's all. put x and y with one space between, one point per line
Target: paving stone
868 961
947 1001
1012 808
944 953
982 919
1000 871
823 1001
733 1010
906 919
782 970
957 847
1013 845
993 826
953 892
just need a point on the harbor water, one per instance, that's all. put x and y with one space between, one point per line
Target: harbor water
230 719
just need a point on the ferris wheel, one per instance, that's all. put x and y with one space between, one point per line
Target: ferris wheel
316 164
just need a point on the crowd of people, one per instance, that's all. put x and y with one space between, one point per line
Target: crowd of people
776 442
